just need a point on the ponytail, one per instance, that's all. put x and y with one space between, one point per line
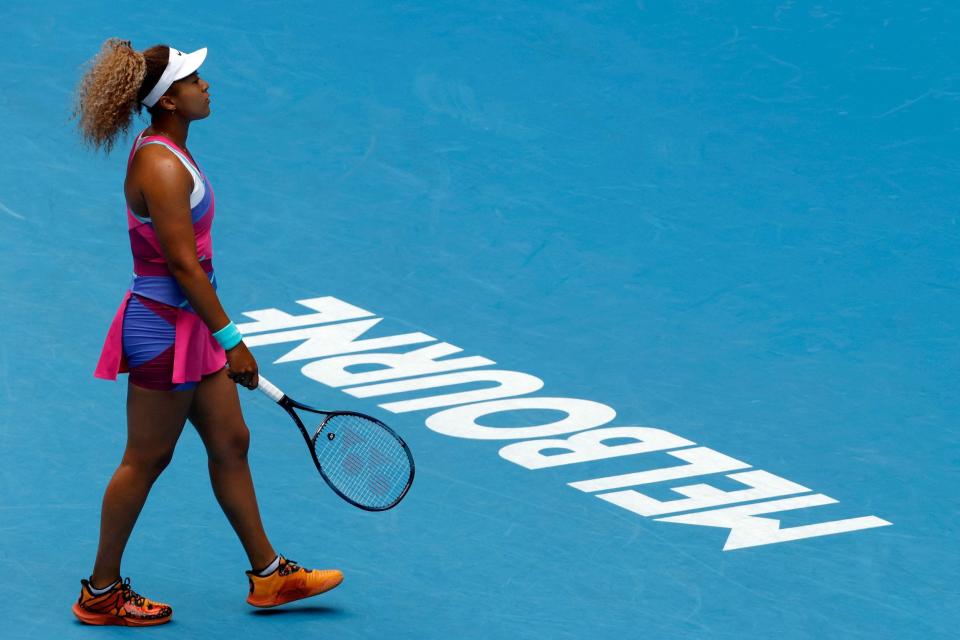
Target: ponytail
108 93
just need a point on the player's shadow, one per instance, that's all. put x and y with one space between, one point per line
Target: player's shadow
308 610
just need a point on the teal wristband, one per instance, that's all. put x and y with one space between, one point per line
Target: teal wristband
229 336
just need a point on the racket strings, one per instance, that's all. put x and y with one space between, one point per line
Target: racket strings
364 461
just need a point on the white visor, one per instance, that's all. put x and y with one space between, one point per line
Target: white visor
179 66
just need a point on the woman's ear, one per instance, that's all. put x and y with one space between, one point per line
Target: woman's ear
166 103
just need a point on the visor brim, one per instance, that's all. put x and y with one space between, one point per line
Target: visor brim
191 62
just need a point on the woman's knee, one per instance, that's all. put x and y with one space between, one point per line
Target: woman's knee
148 463
230 447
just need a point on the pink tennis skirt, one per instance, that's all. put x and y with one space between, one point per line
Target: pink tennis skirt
163 347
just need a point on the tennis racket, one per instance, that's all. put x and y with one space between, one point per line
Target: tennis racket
362 459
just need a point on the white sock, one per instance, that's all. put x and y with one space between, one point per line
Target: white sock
98 592
270 567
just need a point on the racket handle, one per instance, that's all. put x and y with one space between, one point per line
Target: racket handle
270 389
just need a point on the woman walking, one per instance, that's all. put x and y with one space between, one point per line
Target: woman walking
183 355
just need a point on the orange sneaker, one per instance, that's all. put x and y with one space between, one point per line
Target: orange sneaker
121 606
290 582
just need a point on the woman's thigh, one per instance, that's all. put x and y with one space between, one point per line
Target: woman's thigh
216 414
155 420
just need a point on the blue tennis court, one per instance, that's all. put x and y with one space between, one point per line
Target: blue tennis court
700 261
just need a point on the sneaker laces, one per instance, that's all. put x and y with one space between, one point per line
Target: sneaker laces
289 566
130 595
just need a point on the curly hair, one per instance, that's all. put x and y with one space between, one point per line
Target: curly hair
115 82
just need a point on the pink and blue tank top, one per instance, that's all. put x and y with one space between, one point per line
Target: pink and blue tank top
152 278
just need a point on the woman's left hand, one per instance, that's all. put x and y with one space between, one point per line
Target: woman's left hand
242 366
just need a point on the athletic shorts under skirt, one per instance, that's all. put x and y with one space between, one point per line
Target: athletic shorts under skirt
149 333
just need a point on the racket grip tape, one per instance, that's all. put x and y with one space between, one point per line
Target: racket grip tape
270 389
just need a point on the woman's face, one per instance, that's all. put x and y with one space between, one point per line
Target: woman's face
191 97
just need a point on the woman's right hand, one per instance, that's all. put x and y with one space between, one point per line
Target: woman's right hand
242 366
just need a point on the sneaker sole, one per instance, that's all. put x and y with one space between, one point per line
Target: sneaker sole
103 619
291 595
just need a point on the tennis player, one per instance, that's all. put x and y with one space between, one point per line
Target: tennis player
183 354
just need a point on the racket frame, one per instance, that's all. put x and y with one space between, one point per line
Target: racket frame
289 404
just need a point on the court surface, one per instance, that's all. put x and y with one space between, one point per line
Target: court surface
733 222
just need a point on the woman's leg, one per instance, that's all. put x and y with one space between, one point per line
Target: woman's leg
155 420
218 419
